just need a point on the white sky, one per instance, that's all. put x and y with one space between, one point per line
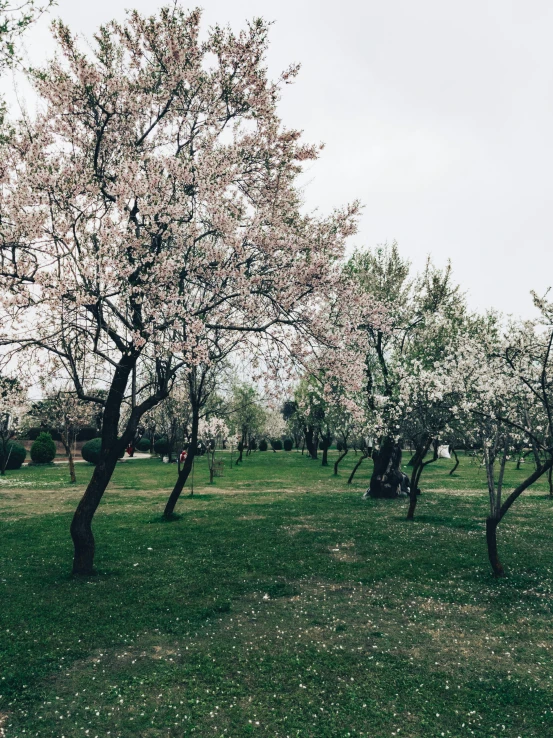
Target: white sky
437 115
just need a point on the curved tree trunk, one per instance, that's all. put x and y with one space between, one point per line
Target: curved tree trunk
186 467
81 525
386 476
491 540
454 452
338 460
355 468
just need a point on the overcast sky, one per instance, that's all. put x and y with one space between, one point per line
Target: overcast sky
437 115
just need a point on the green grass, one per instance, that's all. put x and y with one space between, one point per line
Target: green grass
279 604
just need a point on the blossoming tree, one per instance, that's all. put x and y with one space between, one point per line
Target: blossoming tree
151 198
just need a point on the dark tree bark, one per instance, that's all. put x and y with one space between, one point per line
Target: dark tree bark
240 452
454 452
309 434
186 467
339 459
355 468
423 449
493 522
386 477
491 540
81 525
326 440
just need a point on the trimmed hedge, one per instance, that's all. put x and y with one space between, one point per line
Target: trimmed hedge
16 455
288 444
143 445
43 450
276 444
87 433
263 445
34 432
161 447
91 450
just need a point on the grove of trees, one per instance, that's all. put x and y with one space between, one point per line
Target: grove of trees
153 238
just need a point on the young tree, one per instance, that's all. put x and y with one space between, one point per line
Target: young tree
212 432
246 416
12 399
153 197
424 313
63 412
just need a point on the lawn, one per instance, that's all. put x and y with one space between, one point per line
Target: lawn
279 604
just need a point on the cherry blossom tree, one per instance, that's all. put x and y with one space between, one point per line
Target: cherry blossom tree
212 432
154 197
12 401
509 392
424 314
15 18
63 412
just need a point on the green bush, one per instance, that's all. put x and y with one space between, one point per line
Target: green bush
263 445
35 431
91 450
288 444
87 433
253 445
161 447
16 455
143 445
339 446
43 450
276 444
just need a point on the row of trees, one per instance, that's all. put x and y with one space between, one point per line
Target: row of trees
152 233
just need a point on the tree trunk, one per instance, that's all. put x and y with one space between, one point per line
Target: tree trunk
415 459
355 468
550 480
4 457
325 456
491 540
454 452
338 460
386 476
315 446
308 433
81 525
72 475
186 467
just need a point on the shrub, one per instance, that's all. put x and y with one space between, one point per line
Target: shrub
43 450
91 450
34 432
143 445
288 444
161 447
325 445
263 445
339 446
253 445
276 444
87 433
16 455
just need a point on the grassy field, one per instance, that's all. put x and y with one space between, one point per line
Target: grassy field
279 604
